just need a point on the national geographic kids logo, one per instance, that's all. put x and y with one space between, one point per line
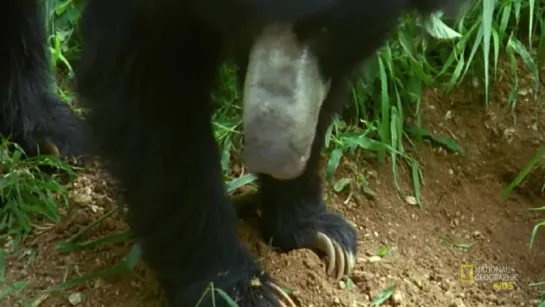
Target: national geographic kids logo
501 277
467 273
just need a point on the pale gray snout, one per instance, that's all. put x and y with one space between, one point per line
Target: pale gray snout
283 94
273 157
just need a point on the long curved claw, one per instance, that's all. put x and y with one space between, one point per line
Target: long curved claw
350 263
285 301
340 261
324 243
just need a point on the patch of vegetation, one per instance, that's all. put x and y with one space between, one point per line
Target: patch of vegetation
27 194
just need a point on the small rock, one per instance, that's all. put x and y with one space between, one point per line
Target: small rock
361 276
96 208
362 260
375 259
417 278
508 133
82 198
342 285
493 298
397 298
411 200
75 298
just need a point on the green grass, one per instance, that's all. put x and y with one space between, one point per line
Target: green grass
27 193
420 54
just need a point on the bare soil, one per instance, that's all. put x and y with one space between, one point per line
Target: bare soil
461 205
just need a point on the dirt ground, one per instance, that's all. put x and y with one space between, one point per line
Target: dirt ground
461 205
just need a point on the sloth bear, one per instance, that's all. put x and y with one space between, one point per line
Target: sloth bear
142 59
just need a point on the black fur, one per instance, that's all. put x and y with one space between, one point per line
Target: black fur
146 73
30 114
